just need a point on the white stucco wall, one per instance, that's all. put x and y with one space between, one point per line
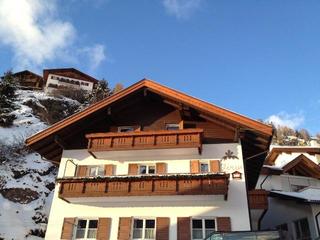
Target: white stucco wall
54 81
164 206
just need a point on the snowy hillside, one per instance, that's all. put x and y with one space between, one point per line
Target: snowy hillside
26 180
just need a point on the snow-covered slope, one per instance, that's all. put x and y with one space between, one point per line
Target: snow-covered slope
26 180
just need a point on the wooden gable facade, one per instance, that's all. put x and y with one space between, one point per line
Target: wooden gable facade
28 79
149 106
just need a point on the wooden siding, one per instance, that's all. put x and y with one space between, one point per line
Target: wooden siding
258 199
154 186
187 138
224 224
67 228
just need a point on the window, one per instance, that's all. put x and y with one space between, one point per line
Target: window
147 169
144 229
172 126
283 230
297 188
126 129
302 229
86 229
96 171
204 167
202 228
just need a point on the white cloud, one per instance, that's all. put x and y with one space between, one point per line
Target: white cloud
96 55
36 34
181 9
285 119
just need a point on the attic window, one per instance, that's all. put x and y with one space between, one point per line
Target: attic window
126 129
172 126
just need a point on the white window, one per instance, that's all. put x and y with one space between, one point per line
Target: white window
297 188
144 229
202 228
96 171
172 126
147 169
86 229
204 167
126 129
302 229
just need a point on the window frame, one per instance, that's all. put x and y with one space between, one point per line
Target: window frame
120 128
86 229
147 168
203 219
204 163
144 219
298 222
172 125
96 170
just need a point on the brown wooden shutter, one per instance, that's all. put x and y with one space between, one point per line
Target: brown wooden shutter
194 166
184 228
124 229
161 168
108 169
224 224
104 225
82 171
67 228
133 169
162 229
215 166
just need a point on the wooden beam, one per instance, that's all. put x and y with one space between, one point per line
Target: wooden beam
60 142
219 122
173 104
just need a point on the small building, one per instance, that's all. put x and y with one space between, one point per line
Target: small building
151 162
28 80
68 78
292 177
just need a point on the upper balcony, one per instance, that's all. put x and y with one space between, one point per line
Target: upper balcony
143 140
77 189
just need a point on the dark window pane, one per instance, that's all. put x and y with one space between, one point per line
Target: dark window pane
82 223
93 223
143 169
209 224
138 223
305 228
204 167
149 223
196 223
152 170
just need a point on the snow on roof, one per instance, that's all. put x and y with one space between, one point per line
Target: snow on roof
272 167
308 194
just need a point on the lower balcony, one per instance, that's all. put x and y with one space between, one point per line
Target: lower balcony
75 189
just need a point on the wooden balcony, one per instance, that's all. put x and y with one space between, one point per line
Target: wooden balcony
184 138
258 199
151 185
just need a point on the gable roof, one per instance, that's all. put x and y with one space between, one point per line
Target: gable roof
26 71
164 91
304 166
276 151
58 71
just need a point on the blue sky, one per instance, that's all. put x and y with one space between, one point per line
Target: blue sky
258 58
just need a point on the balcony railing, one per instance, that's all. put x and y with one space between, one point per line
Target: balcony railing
184 138
150 185
258 199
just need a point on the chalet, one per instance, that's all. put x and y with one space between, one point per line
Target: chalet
292 177
150 162
67 78
28 80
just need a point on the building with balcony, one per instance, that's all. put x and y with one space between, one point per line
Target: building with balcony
291 175
150 162
67 78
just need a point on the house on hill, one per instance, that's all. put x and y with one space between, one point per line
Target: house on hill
68 78
150 162
28 80
292 177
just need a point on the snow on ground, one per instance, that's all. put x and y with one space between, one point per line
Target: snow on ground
24 170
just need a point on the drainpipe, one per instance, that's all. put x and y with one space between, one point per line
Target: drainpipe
264 181
317 222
